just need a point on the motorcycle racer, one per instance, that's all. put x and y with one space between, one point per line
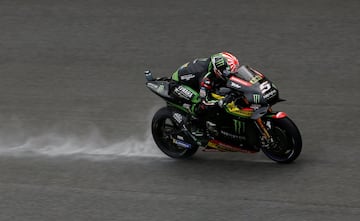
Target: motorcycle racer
219 105
204 75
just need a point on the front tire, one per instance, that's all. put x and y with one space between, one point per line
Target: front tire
165 130
287 142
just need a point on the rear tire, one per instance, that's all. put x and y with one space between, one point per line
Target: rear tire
287 143
165 130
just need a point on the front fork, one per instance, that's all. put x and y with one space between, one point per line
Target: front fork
266 137
263 130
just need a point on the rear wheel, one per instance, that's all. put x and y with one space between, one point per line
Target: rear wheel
287 143
166 133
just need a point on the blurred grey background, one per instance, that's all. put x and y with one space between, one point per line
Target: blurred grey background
73 70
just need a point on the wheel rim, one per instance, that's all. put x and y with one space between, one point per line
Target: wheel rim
282 148
166 130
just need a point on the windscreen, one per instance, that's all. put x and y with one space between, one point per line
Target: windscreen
247 74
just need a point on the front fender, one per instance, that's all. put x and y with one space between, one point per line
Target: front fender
276 115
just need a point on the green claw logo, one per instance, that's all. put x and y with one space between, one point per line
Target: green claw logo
256 98
239 126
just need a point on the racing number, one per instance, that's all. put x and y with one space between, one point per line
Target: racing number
265 86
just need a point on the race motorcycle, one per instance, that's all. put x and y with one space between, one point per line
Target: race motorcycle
244 122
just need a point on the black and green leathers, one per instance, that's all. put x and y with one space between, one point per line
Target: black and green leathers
195 81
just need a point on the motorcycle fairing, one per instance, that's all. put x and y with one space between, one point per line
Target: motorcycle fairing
246 112
223 147
276 115
254 86
160 88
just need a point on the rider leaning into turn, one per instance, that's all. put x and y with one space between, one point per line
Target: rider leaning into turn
204 75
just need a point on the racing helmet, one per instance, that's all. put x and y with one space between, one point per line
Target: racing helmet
224 64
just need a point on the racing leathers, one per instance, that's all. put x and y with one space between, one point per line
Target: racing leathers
195 82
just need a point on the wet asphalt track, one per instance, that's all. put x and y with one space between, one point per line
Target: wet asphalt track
72 70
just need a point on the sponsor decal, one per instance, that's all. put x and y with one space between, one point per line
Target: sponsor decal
177 117
256 98
233 136
187 77
256 79
235 85
181 143
270 94
183 92
239 126
219 62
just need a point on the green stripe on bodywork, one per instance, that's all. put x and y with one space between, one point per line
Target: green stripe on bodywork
196 98
178 107
210 68
191 111
175 76
207 74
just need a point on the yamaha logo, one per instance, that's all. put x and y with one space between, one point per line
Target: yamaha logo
183 92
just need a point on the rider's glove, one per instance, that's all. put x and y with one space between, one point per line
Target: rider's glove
221 103
225 100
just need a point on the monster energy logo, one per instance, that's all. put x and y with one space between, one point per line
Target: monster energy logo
256 98
239 126
219 62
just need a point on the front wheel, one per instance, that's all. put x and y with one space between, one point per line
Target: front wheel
166 133
286 144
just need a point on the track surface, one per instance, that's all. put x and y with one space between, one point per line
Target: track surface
72 71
